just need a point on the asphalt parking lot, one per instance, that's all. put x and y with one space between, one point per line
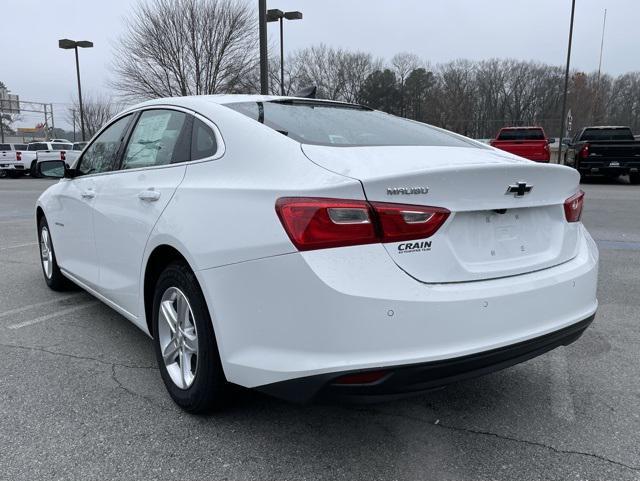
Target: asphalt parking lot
81 397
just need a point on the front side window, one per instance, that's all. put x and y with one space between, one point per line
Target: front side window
101 156
159 138
203 141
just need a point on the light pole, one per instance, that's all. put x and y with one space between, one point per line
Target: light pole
67 44
264 61
275 15
566 84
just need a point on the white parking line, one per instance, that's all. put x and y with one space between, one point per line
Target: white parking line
18 246
18 310
53 315
561 399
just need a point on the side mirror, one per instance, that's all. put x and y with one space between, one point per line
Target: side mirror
53 169
552 140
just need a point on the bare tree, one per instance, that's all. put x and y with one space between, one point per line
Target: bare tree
97 112
186 47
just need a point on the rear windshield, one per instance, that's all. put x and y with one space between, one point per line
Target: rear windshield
20 146
5 146
521 134
607 134
343 125
38 146
62 146
79 145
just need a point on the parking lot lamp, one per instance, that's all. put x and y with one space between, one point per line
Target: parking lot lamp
67 44
566 85
275 15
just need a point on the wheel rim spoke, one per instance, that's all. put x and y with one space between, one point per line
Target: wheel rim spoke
170 352
169 315
46 253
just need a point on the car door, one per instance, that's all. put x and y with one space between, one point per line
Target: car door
132 199
72 228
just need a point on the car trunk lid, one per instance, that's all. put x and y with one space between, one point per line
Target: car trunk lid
491 232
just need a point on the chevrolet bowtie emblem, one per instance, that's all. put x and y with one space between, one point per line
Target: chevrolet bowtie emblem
519 189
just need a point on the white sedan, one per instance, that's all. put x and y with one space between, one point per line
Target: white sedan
314 249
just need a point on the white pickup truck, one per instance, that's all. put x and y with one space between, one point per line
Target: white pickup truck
11 159
40 151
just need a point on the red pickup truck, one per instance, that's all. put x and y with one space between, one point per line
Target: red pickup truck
528 142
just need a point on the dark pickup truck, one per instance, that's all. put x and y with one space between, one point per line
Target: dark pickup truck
610 151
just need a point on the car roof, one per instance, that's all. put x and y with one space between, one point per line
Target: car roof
223 99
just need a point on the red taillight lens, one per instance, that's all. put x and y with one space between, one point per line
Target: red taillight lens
321 223
63 155
406 222
584 151
573 207
18 155
313 223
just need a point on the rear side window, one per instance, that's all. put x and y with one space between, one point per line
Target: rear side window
160 137
38 146
521 134
5 146
345 125
203 141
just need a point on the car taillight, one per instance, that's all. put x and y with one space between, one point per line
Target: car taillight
18 155
316 223
63 155
584 151
405 222
573 207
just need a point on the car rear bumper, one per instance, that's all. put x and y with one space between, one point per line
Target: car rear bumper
11 166
609 166
335 311
400 381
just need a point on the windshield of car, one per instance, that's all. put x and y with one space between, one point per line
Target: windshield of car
38 146
346 125
521 134
607 134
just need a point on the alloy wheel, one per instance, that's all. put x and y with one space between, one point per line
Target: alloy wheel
178 337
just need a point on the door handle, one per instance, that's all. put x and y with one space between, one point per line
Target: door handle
149 195
88 194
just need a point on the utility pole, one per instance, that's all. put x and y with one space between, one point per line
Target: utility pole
264 60
46 123
597 95
1 121
566 84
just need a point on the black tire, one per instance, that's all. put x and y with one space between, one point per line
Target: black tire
3 173
32 171
634 179
209 390
55 280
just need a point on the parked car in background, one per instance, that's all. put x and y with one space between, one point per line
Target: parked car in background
605 150
341 252
11 162
528 142
39 151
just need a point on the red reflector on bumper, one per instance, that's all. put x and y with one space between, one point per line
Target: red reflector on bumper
361 377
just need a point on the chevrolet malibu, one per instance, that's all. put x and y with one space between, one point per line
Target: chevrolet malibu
317 250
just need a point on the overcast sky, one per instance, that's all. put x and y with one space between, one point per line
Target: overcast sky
32 66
